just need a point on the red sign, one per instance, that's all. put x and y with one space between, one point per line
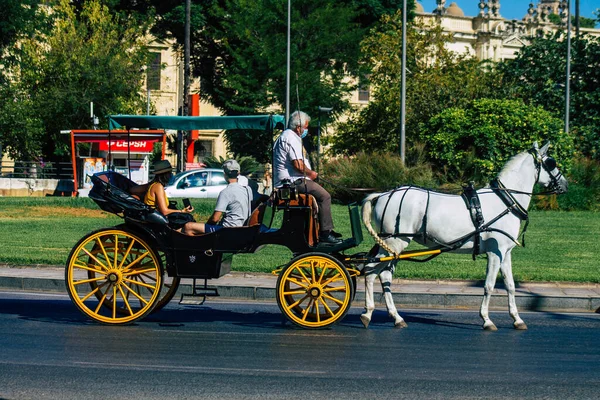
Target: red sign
135 146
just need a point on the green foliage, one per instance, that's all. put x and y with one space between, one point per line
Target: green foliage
248 164
371 172
476 141
87 57
239 52
254 143
587 139
555 19
537 75
19 19
584 186
584 22
437 78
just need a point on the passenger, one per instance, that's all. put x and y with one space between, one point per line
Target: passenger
289 163
234 202
232 208
156 197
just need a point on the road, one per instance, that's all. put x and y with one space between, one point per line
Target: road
227 350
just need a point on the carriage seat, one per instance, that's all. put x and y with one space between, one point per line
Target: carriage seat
111 191
312 226
258 211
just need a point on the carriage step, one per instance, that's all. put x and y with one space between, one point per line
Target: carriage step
199 294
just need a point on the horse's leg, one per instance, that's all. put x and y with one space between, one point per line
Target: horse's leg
509 282
493 265
370 276
386 285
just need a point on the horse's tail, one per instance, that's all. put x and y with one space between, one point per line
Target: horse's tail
367 209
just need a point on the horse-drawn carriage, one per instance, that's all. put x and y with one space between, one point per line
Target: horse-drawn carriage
118 275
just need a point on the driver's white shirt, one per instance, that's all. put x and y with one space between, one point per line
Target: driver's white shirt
287 148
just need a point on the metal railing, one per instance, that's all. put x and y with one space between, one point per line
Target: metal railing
36 170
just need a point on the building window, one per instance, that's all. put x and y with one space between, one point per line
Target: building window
153 72
364 91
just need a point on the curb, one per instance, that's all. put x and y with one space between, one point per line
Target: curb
444 299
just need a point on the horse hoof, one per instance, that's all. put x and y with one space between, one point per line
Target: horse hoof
400 324
521 326
490 327
365 320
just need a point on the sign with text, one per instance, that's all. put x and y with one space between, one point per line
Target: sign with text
135 146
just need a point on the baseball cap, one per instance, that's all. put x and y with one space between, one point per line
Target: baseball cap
231 166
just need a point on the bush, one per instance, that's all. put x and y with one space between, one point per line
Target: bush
476 141
351 178
588 140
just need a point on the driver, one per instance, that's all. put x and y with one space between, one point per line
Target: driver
289 163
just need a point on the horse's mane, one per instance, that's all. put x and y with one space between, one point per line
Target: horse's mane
514 164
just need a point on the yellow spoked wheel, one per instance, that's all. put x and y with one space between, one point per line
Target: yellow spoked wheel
113 276
169 285
314 291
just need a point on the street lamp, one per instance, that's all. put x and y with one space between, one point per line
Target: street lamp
287 75
567 5
403 88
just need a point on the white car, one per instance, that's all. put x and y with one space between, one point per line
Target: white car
205 183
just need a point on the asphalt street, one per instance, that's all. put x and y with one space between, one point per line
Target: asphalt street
245 350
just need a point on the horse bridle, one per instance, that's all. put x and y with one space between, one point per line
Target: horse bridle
549 165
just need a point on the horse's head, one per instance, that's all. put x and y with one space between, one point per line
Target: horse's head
548 173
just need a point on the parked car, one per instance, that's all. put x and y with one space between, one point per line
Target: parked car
198 183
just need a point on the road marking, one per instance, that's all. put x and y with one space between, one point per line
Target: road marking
196 368
85 364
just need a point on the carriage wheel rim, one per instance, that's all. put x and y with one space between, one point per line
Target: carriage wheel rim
314 292
123 280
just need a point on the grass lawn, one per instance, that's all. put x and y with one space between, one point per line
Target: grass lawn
560 246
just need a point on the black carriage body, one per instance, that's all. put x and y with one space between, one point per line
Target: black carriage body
209 256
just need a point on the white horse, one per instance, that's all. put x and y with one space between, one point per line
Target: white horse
441 220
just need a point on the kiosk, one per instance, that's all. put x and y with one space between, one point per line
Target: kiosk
126 152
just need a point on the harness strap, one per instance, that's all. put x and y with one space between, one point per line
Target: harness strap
471 199
388 202
508 199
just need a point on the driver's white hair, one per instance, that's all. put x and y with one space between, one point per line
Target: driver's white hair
298 118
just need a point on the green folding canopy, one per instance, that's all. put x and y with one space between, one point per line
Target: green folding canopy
260 122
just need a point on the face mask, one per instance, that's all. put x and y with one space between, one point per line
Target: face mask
304 134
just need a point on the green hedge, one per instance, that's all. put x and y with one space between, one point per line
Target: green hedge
473 143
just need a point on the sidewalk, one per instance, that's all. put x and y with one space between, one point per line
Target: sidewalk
407 293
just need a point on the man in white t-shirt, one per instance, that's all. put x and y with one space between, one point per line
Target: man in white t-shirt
290 164
234 202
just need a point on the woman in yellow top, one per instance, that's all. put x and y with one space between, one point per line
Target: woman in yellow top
156 197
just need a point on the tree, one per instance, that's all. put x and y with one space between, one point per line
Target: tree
88 57
437 78
584 22
239 53
537 75
18 20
